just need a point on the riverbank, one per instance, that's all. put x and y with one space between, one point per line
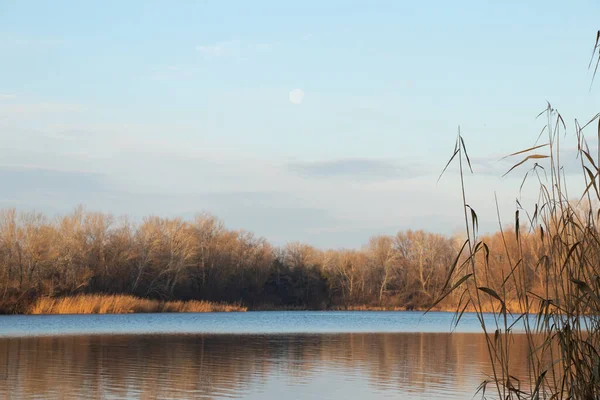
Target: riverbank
127 304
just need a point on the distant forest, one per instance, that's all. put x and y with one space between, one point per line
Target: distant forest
173 259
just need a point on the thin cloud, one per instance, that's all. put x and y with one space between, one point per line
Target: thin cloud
364 168
170 72
15 42
43 107
232 49
492 165
498 165
263 47
6 96
219 50
34 179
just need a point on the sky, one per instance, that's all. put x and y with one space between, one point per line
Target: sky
323 122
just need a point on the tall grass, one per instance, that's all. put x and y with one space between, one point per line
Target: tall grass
123 304
562 319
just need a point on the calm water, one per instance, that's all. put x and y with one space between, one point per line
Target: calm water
263 355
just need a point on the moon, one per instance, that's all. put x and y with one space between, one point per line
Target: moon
296 96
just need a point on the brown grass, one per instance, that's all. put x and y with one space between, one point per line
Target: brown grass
123 304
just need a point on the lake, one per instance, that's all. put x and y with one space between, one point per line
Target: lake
254 355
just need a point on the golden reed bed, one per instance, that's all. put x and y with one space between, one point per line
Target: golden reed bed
123 304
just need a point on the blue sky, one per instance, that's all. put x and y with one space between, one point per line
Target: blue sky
174 108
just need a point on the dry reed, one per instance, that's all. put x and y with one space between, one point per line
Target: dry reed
561 320
123 304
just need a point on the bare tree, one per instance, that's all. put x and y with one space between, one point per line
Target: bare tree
382 258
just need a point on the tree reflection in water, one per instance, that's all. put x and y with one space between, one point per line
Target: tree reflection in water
412 365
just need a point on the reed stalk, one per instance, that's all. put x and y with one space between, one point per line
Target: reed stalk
559 312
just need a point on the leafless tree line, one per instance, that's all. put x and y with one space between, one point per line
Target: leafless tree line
170 258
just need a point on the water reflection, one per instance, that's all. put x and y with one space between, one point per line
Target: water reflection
335 366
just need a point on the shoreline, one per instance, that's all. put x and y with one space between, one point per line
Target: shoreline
127 304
